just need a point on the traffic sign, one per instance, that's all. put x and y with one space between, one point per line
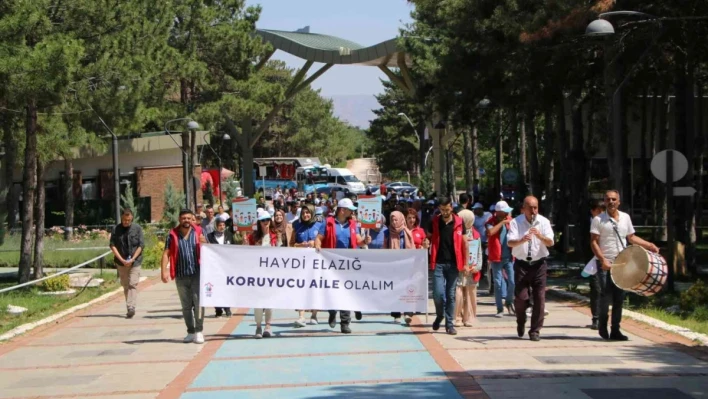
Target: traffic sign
684 191
658 165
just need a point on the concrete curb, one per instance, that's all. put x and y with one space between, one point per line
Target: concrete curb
30 326
682 331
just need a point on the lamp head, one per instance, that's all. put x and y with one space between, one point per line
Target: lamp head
401 114
226 137
600 27
192 125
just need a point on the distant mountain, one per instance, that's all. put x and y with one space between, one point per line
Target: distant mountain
355 109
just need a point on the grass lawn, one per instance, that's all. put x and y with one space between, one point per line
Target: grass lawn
682 321
40 307
54 254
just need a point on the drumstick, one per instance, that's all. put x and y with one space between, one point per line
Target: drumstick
619 264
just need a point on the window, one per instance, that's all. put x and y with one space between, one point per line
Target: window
350 179
340 180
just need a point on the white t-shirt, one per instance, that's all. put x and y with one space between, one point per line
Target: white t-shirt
479 222
290 217
610 244
220 240
518 228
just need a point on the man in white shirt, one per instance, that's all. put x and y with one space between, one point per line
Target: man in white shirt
530 235
610 231
292 216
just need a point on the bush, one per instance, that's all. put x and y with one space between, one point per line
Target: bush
701 313
54 284
152 257
694 297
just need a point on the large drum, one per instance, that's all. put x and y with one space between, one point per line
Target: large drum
640 271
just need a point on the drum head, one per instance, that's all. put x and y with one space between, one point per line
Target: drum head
630 268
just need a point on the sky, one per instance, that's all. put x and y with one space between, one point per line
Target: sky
366 22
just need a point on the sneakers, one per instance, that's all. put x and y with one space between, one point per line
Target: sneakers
436 323
300 322
189 338
499 315
228 314
397 320
345 329
198 338
358 315
451 331
313 321
130 314
535 337
467 324
408 320
267 333
332 320
259 333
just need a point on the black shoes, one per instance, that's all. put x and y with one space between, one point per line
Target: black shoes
616 335
594 325
535 337
332 320
520 329
358 315
436 323
602 330
130 314
346 329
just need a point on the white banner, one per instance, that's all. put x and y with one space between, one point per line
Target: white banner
301 278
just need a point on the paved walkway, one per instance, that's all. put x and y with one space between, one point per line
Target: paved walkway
98 354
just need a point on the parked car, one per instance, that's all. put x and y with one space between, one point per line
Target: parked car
401 187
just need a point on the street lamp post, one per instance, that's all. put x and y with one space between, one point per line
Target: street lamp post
225 137
116 177
193 126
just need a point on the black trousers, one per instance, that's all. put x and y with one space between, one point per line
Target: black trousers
397 315
609 293
220 311
595 289
345 316
530 283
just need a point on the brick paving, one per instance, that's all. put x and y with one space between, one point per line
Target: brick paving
97 353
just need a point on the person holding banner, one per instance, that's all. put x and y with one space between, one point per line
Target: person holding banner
448 256
264 236
466 303
398 236
341 231
220 237
304 236
182 255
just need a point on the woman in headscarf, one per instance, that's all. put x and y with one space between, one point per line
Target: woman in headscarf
282 228
466 304
304 234
398 236
264 236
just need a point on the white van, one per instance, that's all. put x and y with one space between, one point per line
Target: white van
344 178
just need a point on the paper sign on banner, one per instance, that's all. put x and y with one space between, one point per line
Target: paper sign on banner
301 278
369 211
244 211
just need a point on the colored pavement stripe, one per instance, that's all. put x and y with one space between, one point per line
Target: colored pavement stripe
318 369
440 389
369 323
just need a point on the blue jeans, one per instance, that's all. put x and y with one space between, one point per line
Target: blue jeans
503 287
444 286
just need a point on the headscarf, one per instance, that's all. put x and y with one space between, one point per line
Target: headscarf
311 209
467 217
398 225
279 227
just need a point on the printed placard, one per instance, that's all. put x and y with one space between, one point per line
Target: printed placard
244 211
369 211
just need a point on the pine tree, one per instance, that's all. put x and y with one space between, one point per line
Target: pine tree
174 202
128 202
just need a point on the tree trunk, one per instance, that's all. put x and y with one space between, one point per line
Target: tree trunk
562 135
423 147
580 166
29 178
522 159
653 183
663 144
534 176
700 148
683 135
549 140
469 166
645 173
68 198
475 157
689 145
9 163
249 188
39 222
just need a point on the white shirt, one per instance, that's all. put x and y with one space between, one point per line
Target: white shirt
610 244
518 228
220 240
290 217
479 222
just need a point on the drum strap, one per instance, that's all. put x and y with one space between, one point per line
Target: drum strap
614 227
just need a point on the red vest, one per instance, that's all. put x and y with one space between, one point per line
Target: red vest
330 238
273 239
458 240
493 241
174 248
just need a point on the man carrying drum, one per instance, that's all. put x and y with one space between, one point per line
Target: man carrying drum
610 231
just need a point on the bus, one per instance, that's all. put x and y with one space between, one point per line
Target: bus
303 174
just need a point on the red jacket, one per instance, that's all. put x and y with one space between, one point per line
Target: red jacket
493 241
459 243
418 237
174 248
273 239
330 238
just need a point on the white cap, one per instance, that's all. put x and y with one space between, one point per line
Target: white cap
502 206
263 215
346 203
478 206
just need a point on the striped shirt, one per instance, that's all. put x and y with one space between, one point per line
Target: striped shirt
186 254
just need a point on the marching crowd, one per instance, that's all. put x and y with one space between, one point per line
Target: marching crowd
465 242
